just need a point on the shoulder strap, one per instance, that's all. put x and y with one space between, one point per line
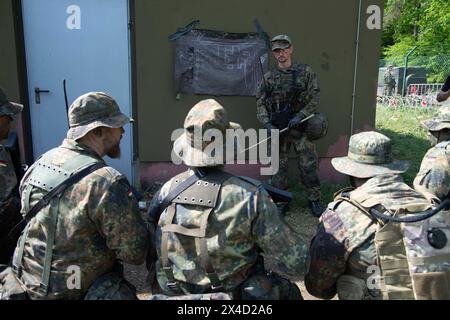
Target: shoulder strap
198 174
56 192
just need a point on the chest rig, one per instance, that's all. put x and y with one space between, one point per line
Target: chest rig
203 194
286 88
44 179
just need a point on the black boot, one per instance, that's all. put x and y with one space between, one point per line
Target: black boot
316 208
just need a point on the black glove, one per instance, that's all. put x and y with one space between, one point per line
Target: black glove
296 121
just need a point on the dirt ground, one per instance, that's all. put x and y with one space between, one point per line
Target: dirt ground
299 219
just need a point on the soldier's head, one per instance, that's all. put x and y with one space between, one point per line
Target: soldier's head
199 145
282 50
95 120
439 126
8 110
369 155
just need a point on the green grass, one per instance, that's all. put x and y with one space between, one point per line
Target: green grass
402 126
409 138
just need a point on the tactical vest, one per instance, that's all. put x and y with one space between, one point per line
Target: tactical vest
45 177
286 87
204 193
413 258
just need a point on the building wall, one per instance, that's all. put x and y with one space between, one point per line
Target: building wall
10 69
323 32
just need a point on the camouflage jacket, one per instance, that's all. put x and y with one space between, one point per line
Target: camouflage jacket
8 179
433 179
344 242
279 88
98 223
389 79
244 223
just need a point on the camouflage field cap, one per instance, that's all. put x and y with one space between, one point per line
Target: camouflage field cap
281 41
369 155
190 146
8 108
440 121
93 110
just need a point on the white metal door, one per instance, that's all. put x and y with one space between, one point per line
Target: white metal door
87 43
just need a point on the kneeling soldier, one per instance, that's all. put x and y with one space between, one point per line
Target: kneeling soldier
215 227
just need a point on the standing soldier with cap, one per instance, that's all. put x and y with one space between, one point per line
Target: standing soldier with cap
433 179
74 241
213 228
9 195
288 95
389 82
373 241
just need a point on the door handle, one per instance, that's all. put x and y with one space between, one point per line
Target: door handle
37 94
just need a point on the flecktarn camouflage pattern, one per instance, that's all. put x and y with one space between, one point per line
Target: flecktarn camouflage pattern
369 155
9 200
350 245
210 237
281 41
98 223
299 87
440 121
243 222
190 147
433 179
344 244
9 204
92 110
8 179
8 108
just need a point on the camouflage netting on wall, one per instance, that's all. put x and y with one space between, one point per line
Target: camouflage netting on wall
219 63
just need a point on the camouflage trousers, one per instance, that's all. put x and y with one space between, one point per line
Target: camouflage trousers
258 287
307 161
388 90
110 286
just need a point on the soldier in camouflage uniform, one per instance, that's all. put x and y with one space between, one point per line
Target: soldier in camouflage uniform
291 88
433 179
9 196
74 246
211 237
359 256
389 82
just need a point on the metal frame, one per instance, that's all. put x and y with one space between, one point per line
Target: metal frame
23 80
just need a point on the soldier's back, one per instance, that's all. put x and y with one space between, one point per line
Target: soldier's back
87 212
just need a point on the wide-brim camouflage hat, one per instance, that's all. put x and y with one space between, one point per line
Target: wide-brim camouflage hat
93 110
369 155
281 41
8 108
440 121
190 146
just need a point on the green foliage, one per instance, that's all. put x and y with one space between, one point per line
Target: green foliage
421 23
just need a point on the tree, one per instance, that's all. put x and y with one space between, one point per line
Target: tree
421 23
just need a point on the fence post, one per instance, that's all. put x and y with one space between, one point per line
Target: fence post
405 70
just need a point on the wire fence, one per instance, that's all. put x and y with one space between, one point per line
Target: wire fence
422 101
